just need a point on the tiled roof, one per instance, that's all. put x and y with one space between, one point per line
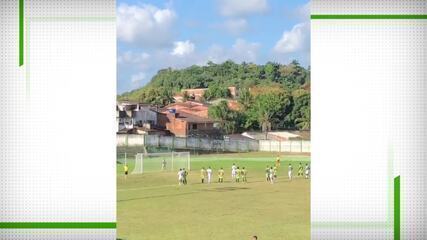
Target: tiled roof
192 118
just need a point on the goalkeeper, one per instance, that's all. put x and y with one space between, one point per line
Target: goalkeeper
126 169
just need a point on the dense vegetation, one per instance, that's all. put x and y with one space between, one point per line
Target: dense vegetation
271 96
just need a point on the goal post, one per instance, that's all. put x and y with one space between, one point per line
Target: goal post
139 166
161 162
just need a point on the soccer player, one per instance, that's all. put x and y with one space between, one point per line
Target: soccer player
267 174
221 175
277 161
163 165
244 173
126 169
300 170
184 176
290 168
238 174
180 176
254 237
209 172
233 171
275 172
203 174
271 175
307 171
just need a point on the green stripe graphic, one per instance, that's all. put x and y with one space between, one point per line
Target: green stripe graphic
21 32
397 208
368 16
57 225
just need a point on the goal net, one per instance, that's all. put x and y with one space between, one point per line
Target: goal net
157 162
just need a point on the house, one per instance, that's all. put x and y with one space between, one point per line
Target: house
233 92
130 115
197 94
188 122
190 107
124 120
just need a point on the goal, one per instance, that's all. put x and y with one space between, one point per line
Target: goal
157 162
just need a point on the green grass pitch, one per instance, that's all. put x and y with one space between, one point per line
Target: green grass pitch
152 206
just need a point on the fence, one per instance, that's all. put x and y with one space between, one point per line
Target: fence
206 144
203 144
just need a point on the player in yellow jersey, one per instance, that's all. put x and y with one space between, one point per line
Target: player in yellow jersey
277 163
221 175
203 174
184 176
300 170
244 174
126 169
238 174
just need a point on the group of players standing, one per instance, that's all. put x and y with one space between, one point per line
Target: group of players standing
240 175
271 172
237 174
182 176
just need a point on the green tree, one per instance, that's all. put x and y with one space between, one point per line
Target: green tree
226 117
269 85
266 110
299 117
157 96
271 71
216 91
245 98
304 121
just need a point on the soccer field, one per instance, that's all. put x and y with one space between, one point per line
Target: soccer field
152 206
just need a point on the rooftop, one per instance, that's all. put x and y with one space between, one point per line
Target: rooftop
193 118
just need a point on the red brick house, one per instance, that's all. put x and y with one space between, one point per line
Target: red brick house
182 124
188 119
190 107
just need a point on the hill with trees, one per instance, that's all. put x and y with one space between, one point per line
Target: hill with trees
271 96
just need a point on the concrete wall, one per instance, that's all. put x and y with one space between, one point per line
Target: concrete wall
301 146
296 146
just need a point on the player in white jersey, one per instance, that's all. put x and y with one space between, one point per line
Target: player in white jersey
307 171
290 169
233 172
209 173
180 176
271 175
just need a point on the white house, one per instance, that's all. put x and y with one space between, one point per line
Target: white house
130 115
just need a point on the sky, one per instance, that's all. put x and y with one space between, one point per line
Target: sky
158 34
